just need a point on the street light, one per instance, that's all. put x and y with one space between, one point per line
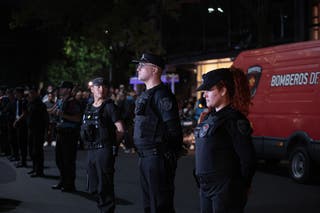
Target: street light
220 10
210 10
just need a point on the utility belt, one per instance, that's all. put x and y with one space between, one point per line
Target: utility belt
100 145
149 152
156 151
93 145
210 178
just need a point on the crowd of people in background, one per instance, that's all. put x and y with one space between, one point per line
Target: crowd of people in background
17 120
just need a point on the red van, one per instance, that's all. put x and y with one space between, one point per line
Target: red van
285 114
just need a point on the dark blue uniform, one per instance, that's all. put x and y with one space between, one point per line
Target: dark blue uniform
158 138
22 131
225 161
66 147
99 135
4 117
37 120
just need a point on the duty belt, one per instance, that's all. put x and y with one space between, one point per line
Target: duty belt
210 178
149 152
97 145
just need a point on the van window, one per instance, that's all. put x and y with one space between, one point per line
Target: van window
253 76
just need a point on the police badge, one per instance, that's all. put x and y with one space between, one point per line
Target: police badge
204 130
165 104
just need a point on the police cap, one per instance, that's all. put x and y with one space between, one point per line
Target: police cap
152 59
215 76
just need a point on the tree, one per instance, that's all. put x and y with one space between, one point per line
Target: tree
83 60
126 27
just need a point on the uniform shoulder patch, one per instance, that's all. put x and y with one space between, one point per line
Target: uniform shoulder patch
204 130
165 104
244 127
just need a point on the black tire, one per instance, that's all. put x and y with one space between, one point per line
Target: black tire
300 165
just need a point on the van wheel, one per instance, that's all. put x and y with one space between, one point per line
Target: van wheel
299 165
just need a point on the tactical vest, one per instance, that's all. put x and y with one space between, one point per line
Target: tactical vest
148 128
97 131
214 147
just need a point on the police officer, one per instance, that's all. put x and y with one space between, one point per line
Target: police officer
225 157
37 120
20 125
101 131
157 136
68 109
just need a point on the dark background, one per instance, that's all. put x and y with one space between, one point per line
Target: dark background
25 51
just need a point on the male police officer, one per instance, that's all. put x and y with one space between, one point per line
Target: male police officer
101 130
157 136
38 121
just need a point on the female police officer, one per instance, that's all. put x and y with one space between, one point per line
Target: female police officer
225 158
101 130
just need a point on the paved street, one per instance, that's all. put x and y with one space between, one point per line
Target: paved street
25 194
272 191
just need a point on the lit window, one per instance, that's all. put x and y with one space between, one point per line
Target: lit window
315 29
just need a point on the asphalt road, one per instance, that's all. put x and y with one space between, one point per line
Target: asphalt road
272 190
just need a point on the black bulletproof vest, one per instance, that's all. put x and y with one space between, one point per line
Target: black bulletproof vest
97 131
214 147
148 128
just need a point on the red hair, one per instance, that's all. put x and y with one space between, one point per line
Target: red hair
241 99
238 90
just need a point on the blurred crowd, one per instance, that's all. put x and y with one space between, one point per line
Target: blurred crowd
190 111
16 118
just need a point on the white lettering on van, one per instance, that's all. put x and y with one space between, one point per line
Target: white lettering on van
314 78
294 79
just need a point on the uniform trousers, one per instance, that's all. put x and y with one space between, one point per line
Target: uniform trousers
12 137
157 175
36 140
100 172
66 154
4 142
22 138
222 195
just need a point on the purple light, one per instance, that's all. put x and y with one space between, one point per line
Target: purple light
169 78
164 79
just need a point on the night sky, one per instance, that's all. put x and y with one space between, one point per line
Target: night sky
25 52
